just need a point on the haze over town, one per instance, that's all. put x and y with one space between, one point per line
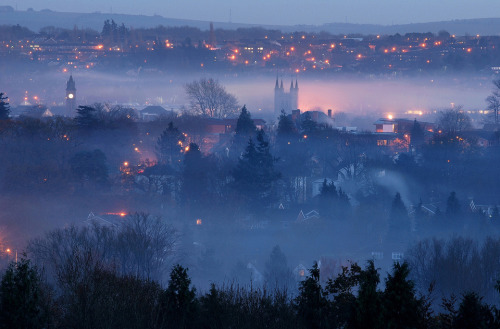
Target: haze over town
216 172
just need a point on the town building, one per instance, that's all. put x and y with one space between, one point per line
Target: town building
285 101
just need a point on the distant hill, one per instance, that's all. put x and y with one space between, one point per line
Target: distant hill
35 20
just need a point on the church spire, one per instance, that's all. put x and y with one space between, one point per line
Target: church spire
277 85
291 85
281 84
296 84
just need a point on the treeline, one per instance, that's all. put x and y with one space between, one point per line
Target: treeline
94 296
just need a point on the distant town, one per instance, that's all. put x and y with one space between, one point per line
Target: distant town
118 46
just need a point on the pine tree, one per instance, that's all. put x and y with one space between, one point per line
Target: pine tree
367 309
286 128
86 117
473 314
311 304
4 107
452 205
417 134
170 145
245 126
277 273
179 300
255 174
401 308
194 179
21 297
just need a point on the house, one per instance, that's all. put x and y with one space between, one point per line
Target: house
401 126
150 113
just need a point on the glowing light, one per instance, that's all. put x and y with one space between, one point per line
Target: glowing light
305 136
136 149
292 48
390 116
332 45
423 45
65 70
123 214
359 56
297 70
125 163
71 96
100 47
186 148
236 51
8 250
198 221
386 51
469 50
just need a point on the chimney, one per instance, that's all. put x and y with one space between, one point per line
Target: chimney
329 113
295 114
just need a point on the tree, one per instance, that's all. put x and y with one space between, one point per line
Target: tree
452 205
89 166
245 129
494 101
309 126
194 179
398 209
255 174
170 145
21 297
341 289
473 314
179 300
209 98
312 306
367 308
454 121
86 117
277 273
416 134
4 107
401 308
245 125
333 203
286 128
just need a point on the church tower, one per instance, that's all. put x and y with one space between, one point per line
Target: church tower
287 101
70 96
294 96
278 98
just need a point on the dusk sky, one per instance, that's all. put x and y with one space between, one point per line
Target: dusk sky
283 12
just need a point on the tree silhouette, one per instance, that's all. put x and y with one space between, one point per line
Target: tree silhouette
169 145
4 107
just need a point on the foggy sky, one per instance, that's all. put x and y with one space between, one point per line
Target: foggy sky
284 12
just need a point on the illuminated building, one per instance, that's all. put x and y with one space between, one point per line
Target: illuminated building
285 101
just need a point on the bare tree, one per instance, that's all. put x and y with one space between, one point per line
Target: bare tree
454 121
494 101
209 98
142 245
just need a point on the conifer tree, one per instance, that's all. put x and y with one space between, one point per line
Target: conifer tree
4 107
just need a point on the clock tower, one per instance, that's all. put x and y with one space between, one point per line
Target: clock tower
70 96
